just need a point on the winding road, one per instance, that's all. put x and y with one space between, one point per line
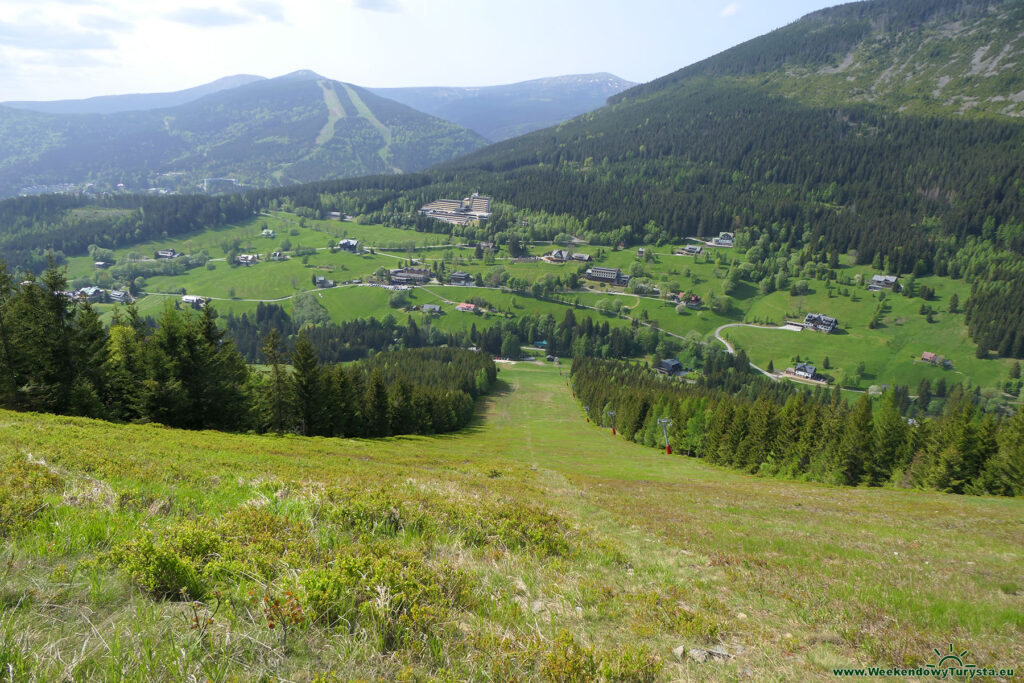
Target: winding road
729 347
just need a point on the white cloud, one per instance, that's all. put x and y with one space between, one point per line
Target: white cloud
40 36
206 17
379 5
730 10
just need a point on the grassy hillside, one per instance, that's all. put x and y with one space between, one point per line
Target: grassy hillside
531 545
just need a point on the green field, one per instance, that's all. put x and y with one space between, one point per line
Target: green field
630 554
890 353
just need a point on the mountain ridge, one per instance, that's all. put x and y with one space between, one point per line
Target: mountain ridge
115 104
499 112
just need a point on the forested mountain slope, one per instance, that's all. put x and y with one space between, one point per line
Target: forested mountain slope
722 144
296 128
500 112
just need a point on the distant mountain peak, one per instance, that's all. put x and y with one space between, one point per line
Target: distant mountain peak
301 75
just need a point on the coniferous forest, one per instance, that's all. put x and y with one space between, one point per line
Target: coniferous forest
56 356
737 418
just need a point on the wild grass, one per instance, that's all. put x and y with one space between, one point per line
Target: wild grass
529 546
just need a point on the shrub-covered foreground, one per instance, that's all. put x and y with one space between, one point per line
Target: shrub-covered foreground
526 547
309 578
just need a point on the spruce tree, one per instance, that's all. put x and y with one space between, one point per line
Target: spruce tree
855 443
308 387
888 434
376 406
277 398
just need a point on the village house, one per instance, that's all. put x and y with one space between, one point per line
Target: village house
349 245
461 278
466 308
248 259
805 370
167 254
690 250
724 239
585 258
640 252
93 295
490 246
820 323
321 282
880 282
559 255
407 276
612 276
120 297
691 300
267 232
432 309
193 300
334 215
670 366
277 256
101 264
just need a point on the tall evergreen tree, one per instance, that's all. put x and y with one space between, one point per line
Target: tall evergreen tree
308 387
277 399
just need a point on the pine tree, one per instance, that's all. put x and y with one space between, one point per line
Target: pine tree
855 443
376 406
8 359
888 433
277 400
89 340
308 388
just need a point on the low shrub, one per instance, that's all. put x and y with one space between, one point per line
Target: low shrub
392 596
22 490
171 567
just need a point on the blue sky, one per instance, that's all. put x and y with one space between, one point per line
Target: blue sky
57 49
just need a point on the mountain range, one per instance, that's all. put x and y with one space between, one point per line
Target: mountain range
296 128
500 112
262 132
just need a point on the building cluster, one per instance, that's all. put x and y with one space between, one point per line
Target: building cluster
563 255
97 295
459 212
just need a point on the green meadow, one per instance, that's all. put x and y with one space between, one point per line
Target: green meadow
888 354
529 546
